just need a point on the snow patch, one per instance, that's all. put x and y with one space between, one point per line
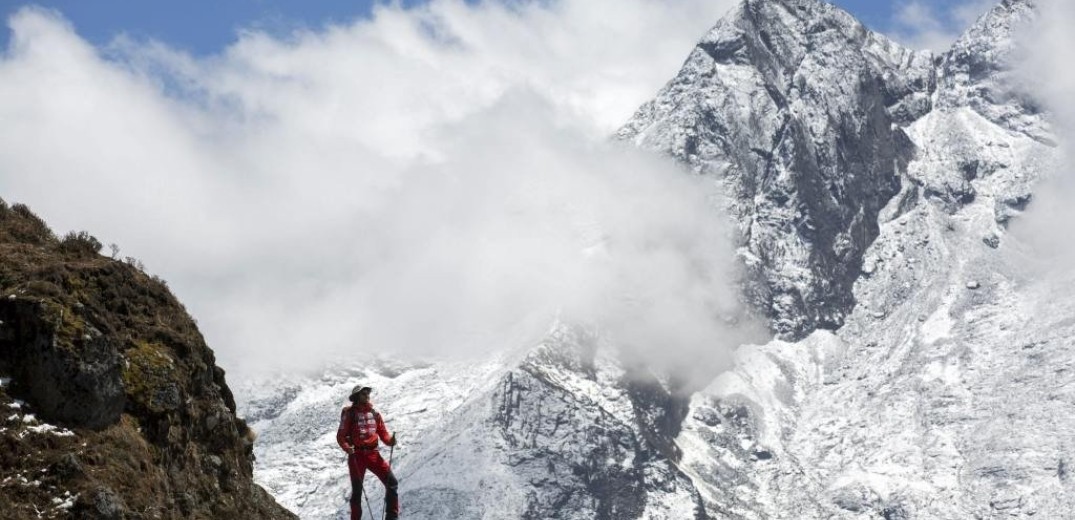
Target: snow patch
67 501
44 428
939 325
947 373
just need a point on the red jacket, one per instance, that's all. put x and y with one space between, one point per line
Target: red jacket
360 426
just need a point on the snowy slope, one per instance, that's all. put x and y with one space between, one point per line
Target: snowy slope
554 430
925 372
298 459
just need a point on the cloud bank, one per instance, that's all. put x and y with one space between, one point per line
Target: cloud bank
1044 66
432 181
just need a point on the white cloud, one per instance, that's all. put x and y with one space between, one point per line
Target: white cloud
433 180
1045 70
922 24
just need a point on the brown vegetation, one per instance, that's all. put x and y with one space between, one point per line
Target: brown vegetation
112 405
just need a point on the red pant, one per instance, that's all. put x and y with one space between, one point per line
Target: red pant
357 464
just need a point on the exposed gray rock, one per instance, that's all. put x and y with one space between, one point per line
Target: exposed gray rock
103 504
68 467
81 387
796 107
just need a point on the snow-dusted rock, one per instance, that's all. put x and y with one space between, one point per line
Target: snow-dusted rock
932 401
794 106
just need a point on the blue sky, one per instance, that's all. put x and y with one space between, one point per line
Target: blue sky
882 14
205 27
198 26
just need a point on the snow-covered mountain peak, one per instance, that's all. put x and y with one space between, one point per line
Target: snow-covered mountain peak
796 108
788 24
787 31
871 186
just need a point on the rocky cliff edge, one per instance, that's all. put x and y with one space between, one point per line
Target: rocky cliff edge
111 403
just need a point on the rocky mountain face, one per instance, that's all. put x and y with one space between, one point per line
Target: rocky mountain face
923 371
942 394
794 106
114 407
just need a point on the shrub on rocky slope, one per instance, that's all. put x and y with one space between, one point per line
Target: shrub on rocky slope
111 403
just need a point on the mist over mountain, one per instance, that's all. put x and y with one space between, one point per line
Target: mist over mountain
312 195
818 274
923 361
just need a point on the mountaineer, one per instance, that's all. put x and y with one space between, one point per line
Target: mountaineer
360 428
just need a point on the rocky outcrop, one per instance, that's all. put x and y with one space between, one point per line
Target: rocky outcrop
118 408
80 387
606 456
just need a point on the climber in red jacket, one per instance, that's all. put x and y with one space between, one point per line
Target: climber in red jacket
360 427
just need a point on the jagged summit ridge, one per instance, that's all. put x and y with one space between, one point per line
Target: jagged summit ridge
977 71
794 106
788 30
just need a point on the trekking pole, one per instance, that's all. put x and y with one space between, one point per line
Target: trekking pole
367 497
391 452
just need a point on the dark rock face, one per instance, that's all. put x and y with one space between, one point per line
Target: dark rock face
593 458
796 108
120 409
659 412
80 386
105 504
617 490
